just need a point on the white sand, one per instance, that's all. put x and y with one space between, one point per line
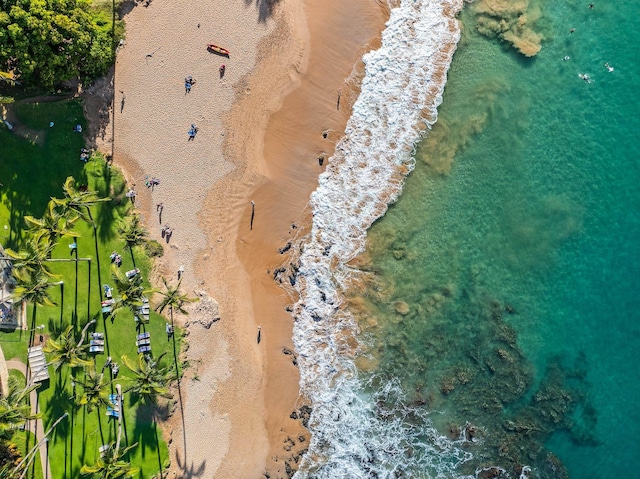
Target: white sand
238 395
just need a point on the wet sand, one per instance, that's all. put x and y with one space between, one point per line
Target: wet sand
260 135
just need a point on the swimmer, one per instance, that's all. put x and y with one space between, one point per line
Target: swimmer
585 77
567 58
608 67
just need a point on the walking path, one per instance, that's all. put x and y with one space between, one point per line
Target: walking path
35 427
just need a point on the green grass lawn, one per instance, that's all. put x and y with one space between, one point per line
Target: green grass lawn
30 178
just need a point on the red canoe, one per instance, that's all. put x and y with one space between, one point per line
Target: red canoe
217 49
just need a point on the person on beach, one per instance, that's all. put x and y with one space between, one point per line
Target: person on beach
222 70
159 207
192 131
180 272
188 83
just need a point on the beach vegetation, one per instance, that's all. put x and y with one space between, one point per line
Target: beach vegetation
86 378
66 351
149 378
14 412
43 43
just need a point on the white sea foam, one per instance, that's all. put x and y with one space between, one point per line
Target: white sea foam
353 435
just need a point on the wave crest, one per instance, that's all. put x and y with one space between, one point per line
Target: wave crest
400 93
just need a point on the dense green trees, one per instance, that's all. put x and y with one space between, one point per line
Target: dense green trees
46 41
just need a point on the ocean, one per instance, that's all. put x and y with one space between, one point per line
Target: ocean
485 324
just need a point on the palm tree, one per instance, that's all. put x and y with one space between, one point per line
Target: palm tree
51 226
94 387
14 408
110 465
35 292
95 392
149 379
131 293
66 351
133 233
30 261
149 382
174 300
15 411
14 473
77 204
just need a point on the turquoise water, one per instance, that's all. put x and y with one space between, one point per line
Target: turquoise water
505 286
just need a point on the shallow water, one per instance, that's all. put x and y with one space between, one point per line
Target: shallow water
504 279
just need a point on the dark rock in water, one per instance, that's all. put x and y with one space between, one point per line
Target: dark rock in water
277 272
287 468
292 280
294 356
316 317
285 248
304 413
288 309
323 297
288 444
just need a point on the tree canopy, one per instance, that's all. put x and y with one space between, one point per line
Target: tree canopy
47 41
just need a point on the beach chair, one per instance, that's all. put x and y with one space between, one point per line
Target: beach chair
143 336
113 409
144 349
108 292
132 273
96 349
103 449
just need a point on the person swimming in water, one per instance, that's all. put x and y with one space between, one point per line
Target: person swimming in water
608 67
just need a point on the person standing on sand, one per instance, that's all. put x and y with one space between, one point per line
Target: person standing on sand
253 213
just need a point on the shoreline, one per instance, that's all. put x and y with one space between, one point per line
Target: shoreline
239 395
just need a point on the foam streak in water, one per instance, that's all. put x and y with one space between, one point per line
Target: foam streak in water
352 434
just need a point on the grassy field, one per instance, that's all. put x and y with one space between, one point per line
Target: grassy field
34 173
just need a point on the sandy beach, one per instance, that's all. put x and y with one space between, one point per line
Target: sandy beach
263 126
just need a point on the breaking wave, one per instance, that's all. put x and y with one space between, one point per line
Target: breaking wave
357 433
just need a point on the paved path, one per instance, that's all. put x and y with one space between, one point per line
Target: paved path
36 427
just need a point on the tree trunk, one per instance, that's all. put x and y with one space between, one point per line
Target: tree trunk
132 257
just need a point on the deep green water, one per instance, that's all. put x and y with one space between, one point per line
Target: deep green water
515 248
